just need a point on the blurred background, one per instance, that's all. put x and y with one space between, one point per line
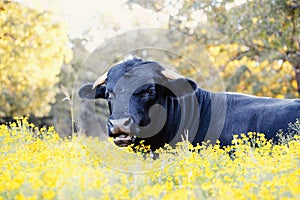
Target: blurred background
255 45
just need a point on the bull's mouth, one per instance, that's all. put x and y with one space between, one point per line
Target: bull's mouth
123 139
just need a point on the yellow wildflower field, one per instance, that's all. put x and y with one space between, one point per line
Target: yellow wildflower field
38 164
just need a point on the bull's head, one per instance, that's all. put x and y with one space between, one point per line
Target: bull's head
136 92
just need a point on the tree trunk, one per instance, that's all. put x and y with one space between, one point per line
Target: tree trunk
297 70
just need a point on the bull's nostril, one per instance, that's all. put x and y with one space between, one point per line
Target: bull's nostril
127 122
116 126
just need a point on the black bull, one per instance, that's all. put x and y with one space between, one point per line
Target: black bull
148 102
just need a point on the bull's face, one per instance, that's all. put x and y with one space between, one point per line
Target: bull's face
136 94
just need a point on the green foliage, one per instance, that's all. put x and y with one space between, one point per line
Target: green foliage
248 75
268 33
247 35
33 47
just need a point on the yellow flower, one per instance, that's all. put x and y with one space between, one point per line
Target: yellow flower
20 197
48 194
49 167
206 186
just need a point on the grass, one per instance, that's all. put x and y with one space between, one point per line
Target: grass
38 164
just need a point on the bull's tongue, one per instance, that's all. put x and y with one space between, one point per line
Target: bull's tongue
123 140
122 137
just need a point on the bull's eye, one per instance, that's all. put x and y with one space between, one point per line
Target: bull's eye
148 92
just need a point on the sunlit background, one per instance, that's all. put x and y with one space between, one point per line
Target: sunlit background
254 46
97 20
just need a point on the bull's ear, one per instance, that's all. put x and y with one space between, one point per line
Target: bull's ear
87 92
182 86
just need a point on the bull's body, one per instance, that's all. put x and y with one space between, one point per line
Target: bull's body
133 88
257 114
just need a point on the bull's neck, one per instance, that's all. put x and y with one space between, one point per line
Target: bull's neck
188 114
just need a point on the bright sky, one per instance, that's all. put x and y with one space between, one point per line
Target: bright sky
97 20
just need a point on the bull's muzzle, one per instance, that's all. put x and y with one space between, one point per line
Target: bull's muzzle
119 129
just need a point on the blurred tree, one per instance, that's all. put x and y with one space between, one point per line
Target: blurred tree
61 112
265 33
33 48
